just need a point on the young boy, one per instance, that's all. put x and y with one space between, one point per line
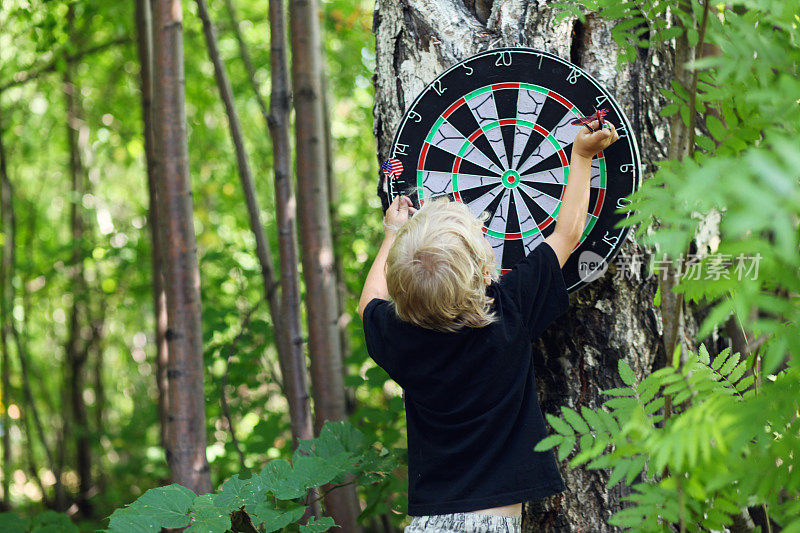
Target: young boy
458 341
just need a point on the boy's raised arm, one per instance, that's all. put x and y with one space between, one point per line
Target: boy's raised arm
375 284
572 214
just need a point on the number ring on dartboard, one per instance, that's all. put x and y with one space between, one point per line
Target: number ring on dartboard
495 133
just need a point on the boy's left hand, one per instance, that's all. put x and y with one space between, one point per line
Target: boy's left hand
398 214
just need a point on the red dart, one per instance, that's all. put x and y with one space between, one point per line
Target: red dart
585 121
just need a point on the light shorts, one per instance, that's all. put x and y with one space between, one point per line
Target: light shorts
465 523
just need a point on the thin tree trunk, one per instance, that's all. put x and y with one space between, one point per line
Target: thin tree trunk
77 349
144 31
342 316
278 120
8 228
248 63
186 434
293 366
613 318
315 230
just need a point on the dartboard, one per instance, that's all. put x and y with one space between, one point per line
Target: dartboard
494 132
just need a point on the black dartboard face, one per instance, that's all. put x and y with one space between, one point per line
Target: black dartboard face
494 133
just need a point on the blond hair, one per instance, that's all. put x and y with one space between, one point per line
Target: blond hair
436 267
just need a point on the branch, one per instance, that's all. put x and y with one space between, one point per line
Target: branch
34 71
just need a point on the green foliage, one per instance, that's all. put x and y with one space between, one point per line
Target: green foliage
705 461
268 501
705 437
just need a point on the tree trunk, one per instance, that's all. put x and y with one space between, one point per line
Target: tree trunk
315 231
186 428
9 231
77 347
294 380
611 319
144 32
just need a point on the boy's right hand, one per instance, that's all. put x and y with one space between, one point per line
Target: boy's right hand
397 214
588 143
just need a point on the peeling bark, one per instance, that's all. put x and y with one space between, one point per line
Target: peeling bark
610 319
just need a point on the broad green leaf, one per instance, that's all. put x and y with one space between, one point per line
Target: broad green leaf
128 520
315 525
168 505
282 481
274 519
236 492
207 517
313 471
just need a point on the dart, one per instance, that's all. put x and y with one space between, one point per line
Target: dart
584 121
392 167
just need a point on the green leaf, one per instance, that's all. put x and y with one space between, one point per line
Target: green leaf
575 420
565 447
667 111
620 469
313 471
719 359
207 517
669 33
128 520
548 442
275 519
315 525
703 356
730 364
559 425
592 418
619 391
281 481
159 507
637 464
626 373
715 127
236 493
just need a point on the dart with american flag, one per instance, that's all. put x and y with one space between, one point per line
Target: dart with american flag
392 167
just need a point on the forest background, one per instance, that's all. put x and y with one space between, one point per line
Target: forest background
702 425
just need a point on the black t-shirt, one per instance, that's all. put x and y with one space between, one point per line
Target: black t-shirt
472 411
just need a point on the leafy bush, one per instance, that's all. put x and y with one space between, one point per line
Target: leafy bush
270 500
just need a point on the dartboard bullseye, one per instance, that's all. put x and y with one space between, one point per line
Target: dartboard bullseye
495 132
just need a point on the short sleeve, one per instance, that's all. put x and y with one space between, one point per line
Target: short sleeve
537 286
374 319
